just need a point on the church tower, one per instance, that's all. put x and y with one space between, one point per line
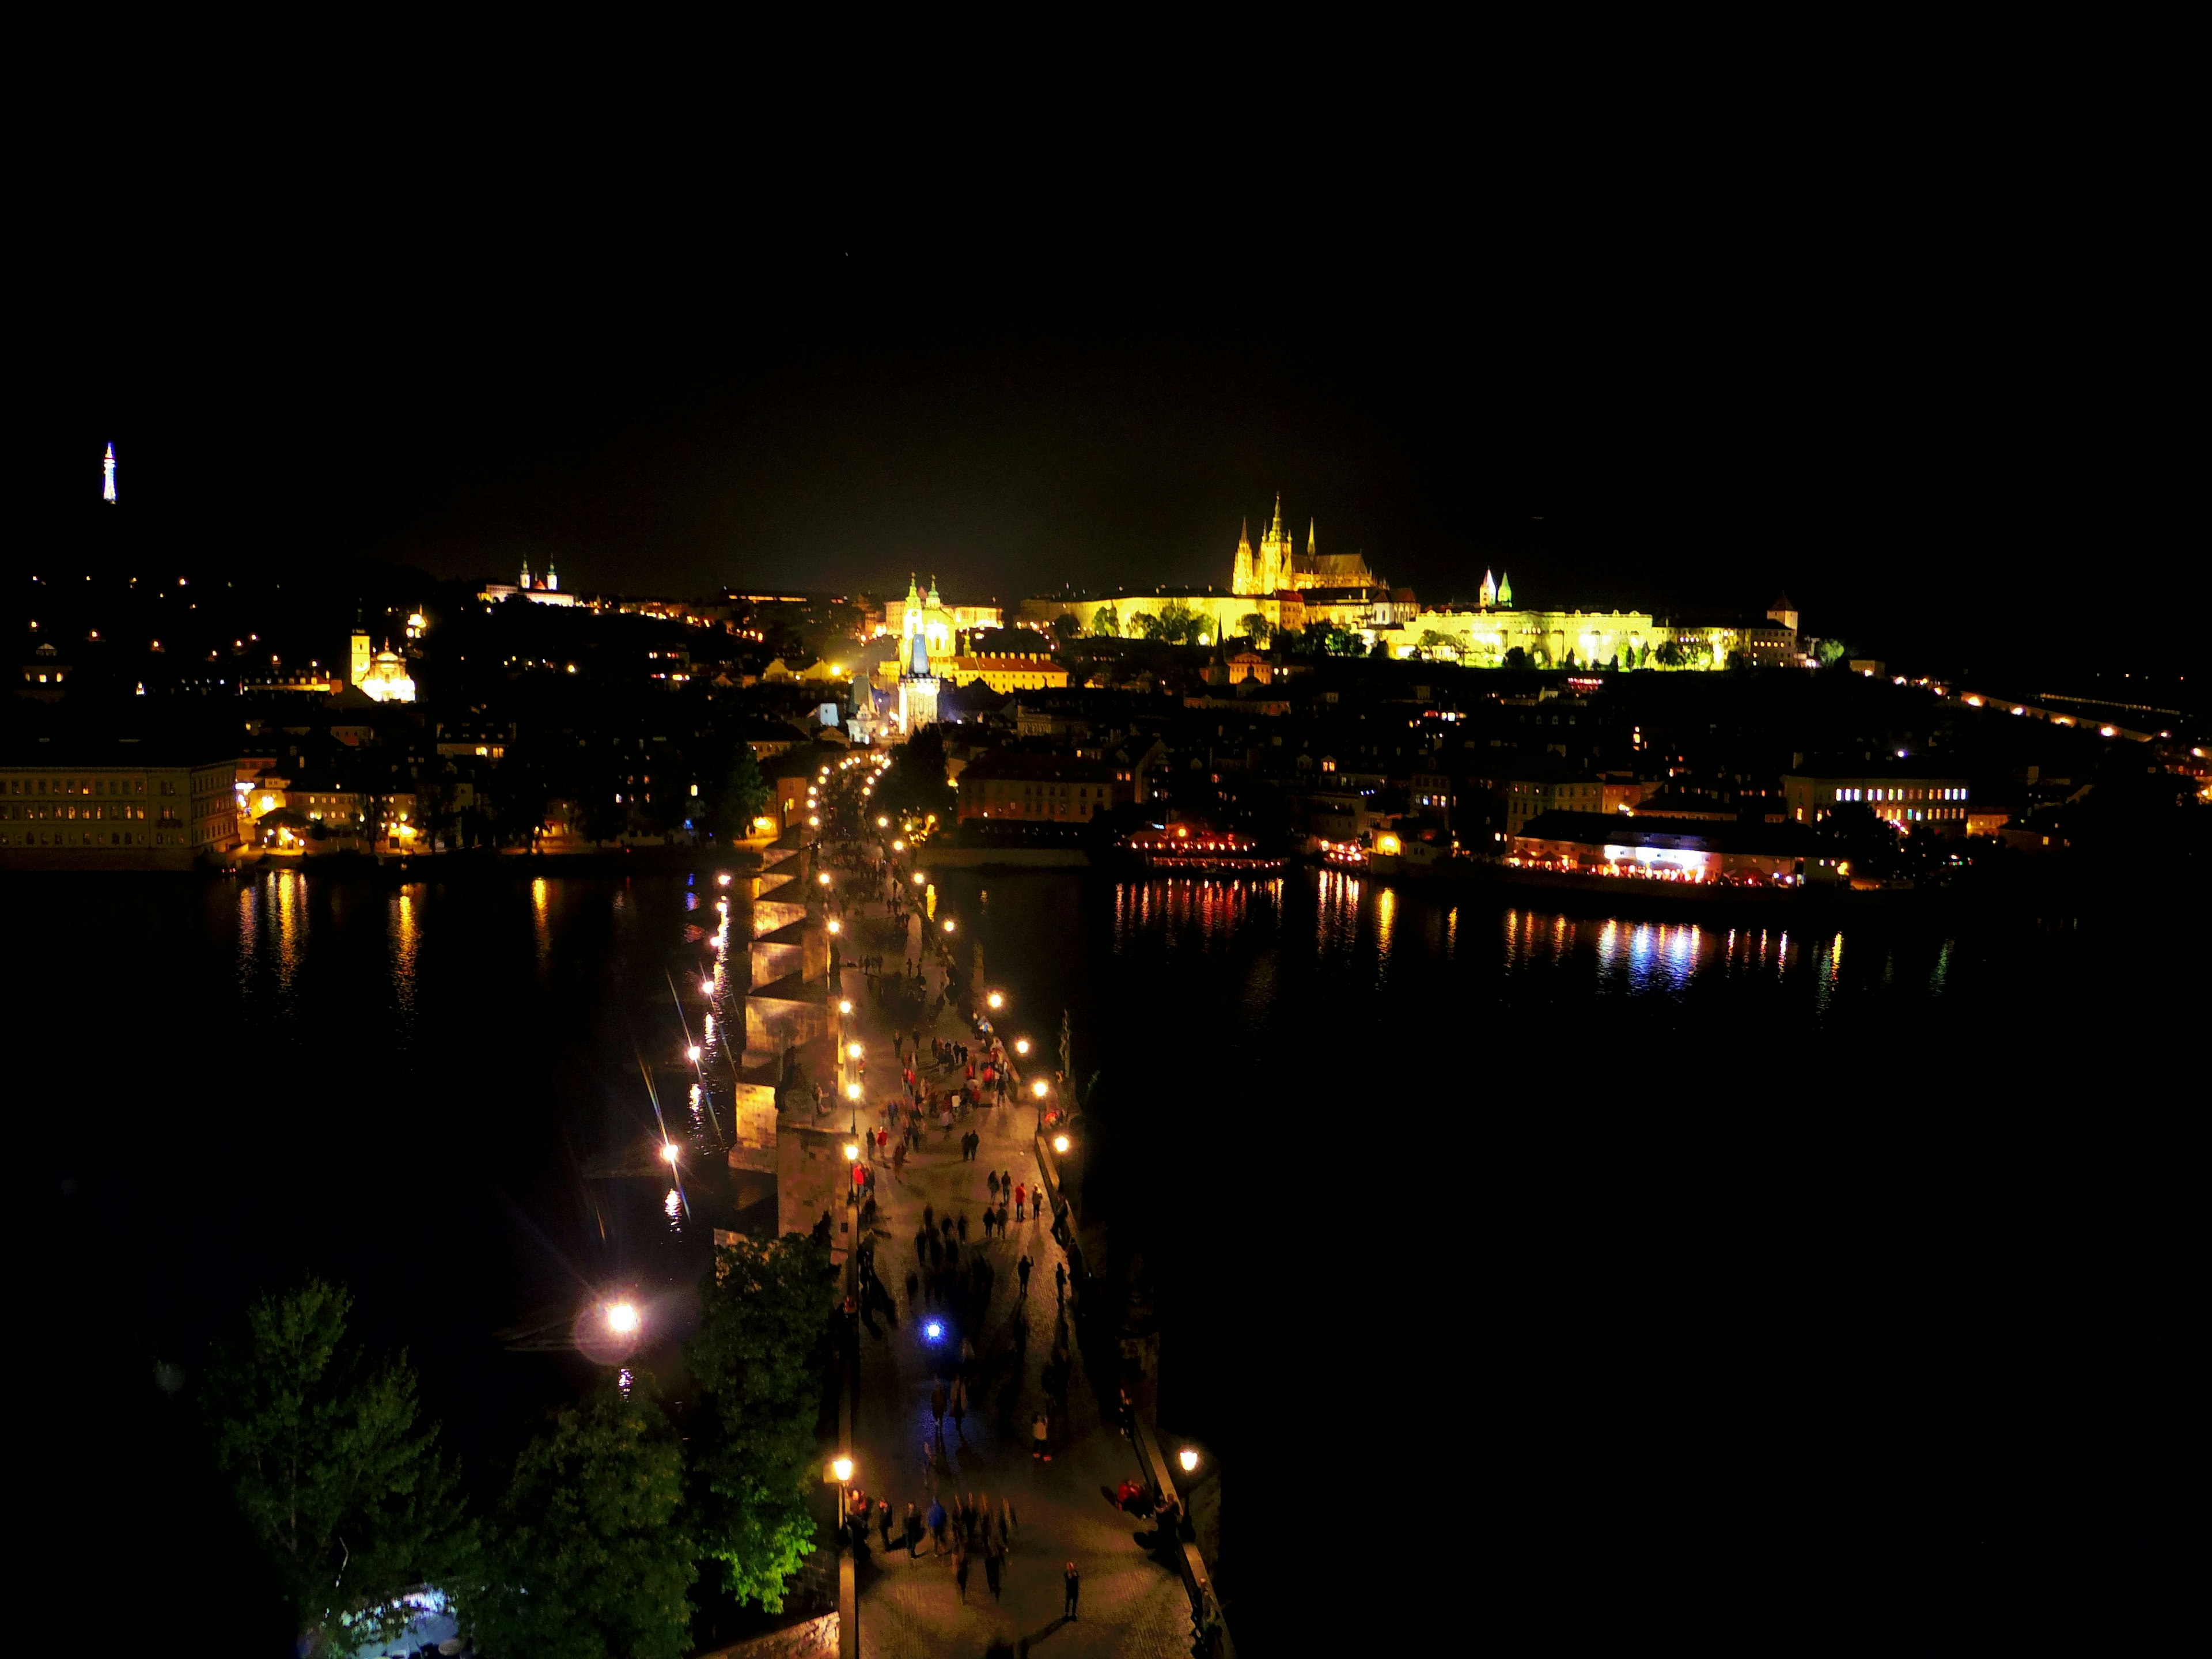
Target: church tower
526 575
1241 580
1489 590
108 477
1274 565
1506 591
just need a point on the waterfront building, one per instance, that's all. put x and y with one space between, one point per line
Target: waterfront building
1602 843
118 805
1909 798
1530 790
1008 785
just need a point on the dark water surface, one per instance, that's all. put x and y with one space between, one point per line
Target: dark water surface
1694 1280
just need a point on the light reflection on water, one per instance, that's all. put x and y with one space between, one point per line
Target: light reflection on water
1381 932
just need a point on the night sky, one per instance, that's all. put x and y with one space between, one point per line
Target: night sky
1678 314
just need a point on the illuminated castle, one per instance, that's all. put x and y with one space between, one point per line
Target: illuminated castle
1278 565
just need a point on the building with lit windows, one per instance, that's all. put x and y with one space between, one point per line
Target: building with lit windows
1008 785
1922 802
117 805
1007 671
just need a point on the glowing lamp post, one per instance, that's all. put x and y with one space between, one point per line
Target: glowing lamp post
996 1000
668 1151
623 1318
1189 1458
693 1052
1059 1144
948 924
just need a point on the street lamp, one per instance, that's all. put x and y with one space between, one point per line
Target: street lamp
1189 1458
623 1318
1059 1143
845 1005
695 1053
948 924
1039 1088
995 999
1021 1045
852 1152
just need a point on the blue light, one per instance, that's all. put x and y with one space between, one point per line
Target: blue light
933 1331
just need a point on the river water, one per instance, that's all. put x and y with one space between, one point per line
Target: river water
1600 1257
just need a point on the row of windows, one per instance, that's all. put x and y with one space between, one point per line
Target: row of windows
1900 793
82 787
91 838
36 809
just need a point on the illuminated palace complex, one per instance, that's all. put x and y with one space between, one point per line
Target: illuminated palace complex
1277 587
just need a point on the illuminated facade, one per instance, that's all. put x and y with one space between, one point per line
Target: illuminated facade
1008 671
117 811
382 676
1922 803
1276 566
1549 639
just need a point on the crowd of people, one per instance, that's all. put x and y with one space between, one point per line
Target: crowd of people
974 1350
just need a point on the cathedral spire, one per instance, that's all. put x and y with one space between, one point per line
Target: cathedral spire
1275 530
1506 590
1310 539
1489 590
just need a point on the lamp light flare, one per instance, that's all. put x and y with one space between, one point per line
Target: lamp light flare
1189 1458
995 999
845 1005
948 924
852 1152
668 1151
852 1051
844 1469
1038 1088
1021 1045
695 1053
623 1318
1059 1143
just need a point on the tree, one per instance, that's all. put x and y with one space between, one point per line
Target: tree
1106 623
1433 640
1065 626
1831 653
762 1361
1146 625
348 1497
1670 654
1178 622
744 796
592 1559
1517 657
1256 628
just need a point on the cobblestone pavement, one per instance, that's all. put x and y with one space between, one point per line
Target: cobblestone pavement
1130 1604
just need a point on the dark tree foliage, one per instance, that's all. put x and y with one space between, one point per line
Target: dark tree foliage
762 1361
591 1559
743 796
914 780
334 1479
